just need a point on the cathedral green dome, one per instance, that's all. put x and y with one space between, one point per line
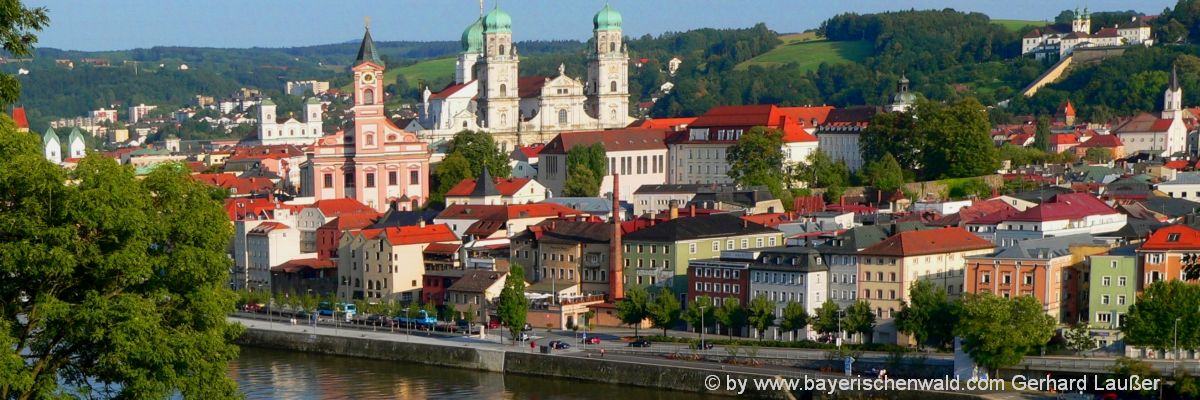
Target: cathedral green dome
472 38
497 21
607 19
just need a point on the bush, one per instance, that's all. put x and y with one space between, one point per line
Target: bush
803 344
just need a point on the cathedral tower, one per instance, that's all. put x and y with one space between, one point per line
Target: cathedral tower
500 101
368 93
608 71
1173 98
472 45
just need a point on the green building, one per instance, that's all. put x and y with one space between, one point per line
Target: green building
1111 289
657 256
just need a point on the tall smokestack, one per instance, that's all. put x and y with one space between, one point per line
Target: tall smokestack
616 270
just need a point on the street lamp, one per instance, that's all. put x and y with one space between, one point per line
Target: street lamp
840 314
702 346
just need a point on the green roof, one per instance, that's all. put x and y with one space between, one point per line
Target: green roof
472 38
367 52
497 21
49 135
607 19
312 100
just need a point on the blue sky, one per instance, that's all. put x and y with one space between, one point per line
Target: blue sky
125 24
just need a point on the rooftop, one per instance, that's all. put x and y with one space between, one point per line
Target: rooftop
699 227
933 241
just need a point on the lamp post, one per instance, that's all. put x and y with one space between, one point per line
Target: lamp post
840 314
702 346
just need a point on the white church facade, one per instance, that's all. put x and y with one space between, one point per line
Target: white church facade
273 130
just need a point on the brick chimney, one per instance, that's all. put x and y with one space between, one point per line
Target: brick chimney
674 211
616 272
692 210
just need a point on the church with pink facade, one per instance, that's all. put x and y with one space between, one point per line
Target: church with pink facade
377 163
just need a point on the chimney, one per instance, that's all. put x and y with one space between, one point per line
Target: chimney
616 273
692 210
421 224
674 211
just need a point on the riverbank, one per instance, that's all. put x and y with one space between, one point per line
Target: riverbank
476 354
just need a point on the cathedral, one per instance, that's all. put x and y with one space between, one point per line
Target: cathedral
489 95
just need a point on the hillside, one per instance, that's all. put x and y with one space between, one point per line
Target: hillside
1016 24
808 51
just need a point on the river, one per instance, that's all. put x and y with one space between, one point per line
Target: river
274 374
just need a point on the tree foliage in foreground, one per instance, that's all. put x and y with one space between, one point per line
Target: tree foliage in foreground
1151 320
113 286
998 332
512 308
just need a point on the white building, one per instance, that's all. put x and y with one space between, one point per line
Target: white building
51 147
638 155
387 265
1163 135
269 244
137 112
838 137
1186 185
320 212
940 207
1057 41
290 131
1064 214
496 191
524 160
787 274
103 115
699 156
76 148
306 88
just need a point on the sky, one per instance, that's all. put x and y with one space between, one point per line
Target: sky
126 24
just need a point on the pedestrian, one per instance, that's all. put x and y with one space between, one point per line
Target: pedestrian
532 345
601 352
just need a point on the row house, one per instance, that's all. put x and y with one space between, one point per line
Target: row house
491 226
1170 253
841 257
496 191
1063 215
572 256
698 154
887 270
268 244
384 265
638 155
246 214
780 274
1111 290
658 255
282 160
1049 269
473 296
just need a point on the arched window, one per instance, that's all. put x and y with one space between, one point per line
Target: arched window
503 89
503 119
291 132
464 124
370 139
612 86
612 47
368 96
562 116
501 49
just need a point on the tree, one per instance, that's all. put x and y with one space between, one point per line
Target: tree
820 171
826 320
895 134
665 311
1041 136
885 174
794 318
998 332
761 314
512 308
586 168
964 147
700 312
18 34
930 317
452 170
731 314
634 308
757 159
860 319
480 150
109 280
1097 155
1151 320
1079 339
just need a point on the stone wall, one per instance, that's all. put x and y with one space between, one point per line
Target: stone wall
448 356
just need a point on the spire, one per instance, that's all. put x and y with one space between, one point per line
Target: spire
1174 79
485 185
366 51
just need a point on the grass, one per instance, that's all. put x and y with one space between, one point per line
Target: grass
808 51
424 71
1016 24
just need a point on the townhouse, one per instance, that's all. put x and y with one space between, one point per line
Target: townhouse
1048 269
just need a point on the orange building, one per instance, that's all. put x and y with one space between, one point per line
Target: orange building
1042 268
1170 253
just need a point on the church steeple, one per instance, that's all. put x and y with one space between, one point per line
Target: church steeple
1173 98
366 51
1174 78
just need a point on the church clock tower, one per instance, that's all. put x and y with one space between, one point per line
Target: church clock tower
500 102
608 71
368 94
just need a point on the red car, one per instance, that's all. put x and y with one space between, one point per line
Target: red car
590 340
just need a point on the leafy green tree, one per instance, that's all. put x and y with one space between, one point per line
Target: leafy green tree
885 174
929 317
826 320
512 308
761 314
18 31
480 150
452 170
970 187
430 309
1151 320
860 319
1125 367
964 147
998 332
732 315
634 308
895 134
820 171
757 159
665 311
586 167
700 311
1041 136
110 279
794 318
1096 155
1079 339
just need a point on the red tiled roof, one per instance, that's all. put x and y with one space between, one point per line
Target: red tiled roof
235 184
613 140
530 86
663 123
1185 238
308 263
977 211
405 235
449 90
531 151
1067 109
1021 139
240 208
506 186
335 207
1102 141
1176 164
768 220
1063 138
265 227
274 151
739 116
351 221
808 117
1144 122
1106 33
932 241
1064 206
505 212
18 116
1036 33
442 248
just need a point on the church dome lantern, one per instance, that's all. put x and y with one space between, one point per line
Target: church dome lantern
497 21
472 38
607 19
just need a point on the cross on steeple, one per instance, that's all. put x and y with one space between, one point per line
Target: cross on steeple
367 22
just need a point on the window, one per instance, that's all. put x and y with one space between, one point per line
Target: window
1103 317
1028 279
729 244
691 248
1174 237
612 87
503 87
1154 258
414 177
1121 300
370 179
1105 281
745 243
328 180
716 245
1006 279
368 96
562 116
987 278
1121 280
1104 299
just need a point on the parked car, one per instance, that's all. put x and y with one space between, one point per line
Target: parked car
559 345
590 340
527 327
640 343
463 326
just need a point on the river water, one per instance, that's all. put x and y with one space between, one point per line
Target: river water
276 374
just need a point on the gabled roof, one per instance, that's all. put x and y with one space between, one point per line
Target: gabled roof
18 116
275 151
700 227
477 281
336 207
450 90
1107 33
293 266
663 123
1064 206
350 221
1175 237
530 86
977 211
491 187
505 212
1102 141
1043 249
531 151
1184 178
933 241
1063 138
235 184
1170 206
626 139
1144 122
266 227
406 235
570 232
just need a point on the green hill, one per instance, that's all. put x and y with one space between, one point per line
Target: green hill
1016 24
809 51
